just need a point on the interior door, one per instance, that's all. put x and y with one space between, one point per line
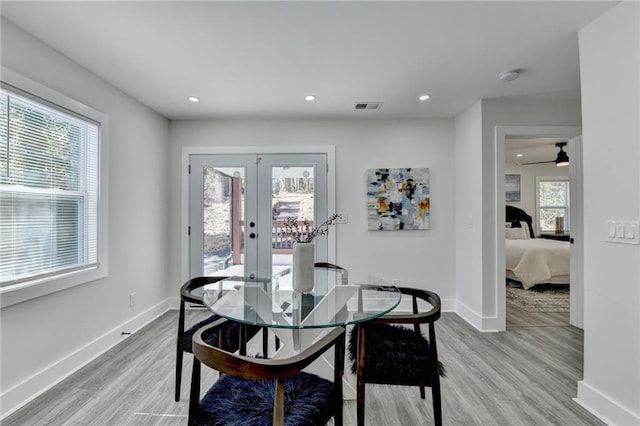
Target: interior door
237 207
574 149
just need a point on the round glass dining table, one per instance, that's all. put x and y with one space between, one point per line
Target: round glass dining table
298 319
272 303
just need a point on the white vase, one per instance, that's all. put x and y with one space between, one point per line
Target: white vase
303 260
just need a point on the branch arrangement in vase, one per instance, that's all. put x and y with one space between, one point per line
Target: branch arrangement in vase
303 232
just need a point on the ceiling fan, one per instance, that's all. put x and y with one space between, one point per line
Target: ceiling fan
561 160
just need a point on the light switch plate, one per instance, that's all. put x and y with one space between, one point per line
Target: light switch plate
622 231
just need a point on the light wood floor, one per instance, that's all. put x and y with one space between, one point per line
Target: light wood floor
518 317
526 376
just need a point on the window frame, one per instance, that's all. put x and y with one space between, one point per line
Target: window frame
31 289
567 206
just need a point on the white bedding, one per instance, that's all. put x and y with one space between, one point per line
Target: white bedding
537 260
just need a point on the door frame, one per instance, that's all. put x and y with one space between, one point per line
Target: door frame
501 134
187 151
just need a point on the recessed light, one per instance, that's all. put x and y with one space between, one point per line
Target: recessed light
519 155
424 97
194 99
309 98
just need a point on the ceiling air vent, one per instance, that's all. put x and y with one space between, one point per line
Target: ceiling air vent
367 105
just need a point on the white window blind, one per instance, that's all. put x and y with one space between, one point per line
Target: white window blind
49 182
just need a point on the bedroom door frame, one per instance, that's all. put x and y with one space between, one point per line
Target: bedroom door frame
576 316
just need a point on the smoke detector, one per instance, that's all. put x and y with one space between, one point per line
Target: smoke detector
507 76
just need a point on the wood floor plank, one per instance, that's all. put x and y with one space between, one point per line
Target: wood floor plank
525 376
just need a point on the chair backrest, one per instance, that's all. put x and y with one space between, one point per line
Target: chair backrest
416 317
187 290
187 295
260 368
339 269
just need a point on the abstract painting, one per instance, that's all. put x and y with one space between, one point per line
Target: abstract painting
398 199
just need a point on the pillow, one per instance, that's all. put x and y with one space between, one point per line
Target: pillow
525 225
516 233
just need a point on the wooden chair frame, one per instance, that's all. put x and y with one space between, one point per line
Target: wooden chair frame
259 368
187 296
416 318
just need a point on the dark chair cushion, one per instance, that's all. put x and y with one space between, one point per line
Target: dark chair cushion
308 400
393 354
231 335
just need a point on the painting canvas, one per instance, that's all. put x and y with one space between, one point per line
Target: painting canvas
398 199
512 188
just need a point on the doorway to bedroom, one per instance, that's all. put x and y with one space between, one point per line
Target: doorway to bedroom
540 244
537 233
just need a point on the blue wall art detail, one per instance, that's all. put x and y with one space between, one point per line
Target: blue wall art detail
398 199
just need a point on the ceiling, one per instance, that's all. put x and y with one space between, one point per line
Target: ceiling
532 150
260 59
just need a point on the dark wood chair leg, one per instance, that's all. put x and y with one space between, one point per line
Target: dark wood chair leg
243 339
179 355
437 403
338 373
265 342
359 377
179 352
194 395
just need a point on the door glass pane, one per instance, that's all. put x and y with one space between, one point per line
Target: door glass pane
223 214
292 195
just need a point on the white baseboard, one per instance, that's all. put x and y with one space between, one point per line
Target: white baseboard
14 398
484 324
604 407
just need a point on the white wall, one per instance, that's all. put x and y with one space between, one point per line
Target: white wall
468 203
420 258
476 199
528 176
45 338
609 62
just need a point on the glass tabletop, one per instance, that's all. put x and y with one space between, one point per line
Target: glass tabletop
270 303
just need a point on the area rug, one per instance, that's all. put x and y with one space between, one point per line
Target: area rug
539 299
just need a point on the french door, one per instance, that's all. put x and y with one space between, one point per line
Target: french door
238 204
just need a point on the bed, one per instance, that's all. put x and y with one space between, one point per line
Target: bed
529 260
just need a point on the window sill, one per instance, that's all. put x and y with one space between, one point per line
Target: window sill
18 293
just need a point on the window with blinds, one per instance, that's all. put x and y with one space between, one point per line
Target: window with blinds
49 180
553 203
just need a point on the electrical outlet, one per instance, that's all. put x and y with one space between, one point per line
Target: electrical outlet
132 300
342 218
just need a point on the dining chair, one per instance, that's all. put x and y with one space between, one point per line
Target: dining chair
385 351
234 335
344 274
257 391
